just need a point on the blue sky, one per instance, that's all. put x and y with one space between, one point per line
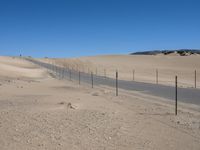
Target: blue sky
69 28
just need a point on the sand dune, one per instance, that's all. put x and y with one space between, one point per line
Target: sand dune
17 68
144 67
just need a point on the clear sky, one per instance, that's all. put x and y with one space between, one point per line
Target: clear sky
68 28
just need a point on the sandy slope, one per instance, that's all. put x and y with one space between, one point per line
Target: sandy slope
41 112
16 68
143 66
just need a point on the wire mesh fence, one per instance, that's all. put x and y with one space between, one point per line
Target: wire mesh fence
94 79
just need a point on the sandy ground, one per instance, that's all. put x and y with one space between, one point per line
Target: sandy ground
144 67
38 111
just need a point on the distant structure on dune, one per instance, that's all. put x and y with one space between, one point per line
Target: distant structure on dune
181 52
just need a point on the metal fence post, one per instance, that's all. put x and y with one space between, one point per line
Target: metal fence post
133 74
92 78
56 71
195 79
60 73
116 83
63 73
176 95
156 76
79 77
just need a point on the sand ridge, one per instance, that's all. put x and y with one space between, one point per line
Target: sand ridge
17 67
144 67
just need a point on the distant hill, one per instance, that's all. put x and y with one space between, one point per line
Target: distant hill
181 52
